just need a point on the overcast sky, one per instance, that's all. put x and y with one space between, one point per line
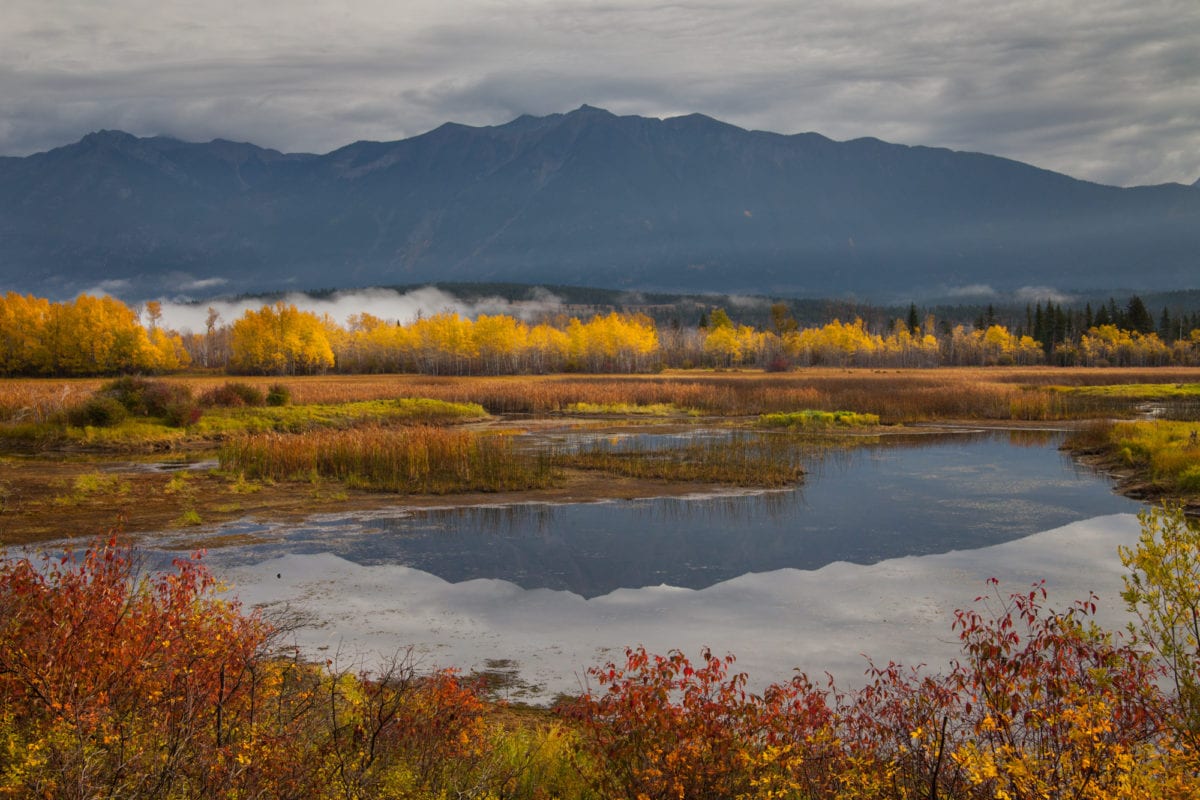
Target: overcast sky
1107 90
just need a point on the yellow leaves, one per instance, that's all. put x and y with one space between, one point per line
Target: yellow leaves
1109 345
90 335
281 339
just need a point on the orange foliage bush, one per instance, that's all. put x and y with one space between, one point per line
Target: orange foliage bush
1044 705
120 683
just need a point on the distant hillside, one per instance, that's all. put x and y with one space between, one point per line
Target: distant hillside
687 203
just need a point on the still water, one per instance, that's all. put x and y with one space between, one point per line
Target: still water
907 496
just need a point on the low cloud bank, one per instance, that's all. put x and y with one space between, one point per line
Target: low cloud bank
387 304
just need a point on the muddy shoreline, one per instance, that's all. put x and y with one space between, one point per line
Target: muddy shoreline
77 494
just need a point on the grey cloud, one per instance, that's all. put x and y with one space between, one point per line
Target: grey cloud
1104 90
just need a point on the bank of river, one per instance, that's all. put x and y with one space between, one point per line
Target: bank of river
871 555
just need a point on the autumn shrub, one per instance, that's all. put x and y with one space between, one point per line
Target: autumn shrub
278 395
232 394
121 682
118 682
171 402
98 412
1162 589
659 727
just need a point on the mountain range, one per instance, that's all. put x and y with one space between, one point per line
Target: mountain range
587 198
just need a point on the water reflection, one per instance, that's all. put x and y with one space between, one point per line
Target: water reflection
927 494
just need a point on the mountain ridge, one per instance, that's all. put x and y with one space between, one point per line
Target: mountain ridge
582 197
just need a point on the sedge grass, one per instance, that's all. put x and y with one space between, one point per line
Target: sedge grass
810 419
1164 453
1137 391
632 409
740 459
419 459
219 422
895 395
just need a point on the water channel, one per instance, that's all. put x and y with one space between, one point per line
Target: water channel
870 554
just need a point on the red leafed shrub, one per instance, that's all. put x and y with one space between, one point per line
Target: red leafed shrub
663 728
116 680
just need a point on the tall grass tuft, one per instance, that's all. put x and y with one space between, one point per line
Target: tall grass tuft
420 459
741 459
817 419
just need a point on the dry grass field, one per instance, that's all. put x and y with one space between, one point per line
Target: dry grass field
895 395
79 481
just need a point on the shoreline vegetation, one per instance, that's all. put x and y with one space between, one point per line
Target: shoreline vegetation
1152 460
87 452
156 680
119 682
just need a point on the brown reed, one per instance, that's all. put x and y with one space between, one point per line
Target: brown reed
420 459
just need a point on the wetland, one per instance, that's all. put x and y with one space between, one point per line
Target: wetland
675 511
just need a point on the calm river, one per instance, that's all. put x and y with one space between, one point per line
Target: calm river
870 555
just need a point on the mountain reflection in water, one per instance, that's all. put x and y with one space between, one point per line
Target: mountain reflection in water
913 496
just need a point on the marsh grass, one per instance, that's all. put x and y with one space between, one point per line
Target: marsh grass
633 409
740 459
222 422
1180 401
1163 452
810 419
1137 391
434 460
364 413
93 485
896 395
418 459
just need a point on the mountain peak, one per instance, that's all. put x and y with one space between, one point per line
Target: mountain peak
107 137
590 111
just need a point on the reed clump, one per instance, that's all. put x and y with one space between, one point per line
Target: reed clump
630 409
740 459
810 419
420 459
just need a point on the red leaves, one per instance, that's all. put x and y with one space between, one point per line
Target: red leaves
665 727
1039 693
125 664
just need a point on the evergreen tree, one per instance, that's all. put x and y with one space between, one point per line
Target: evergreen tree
1137 317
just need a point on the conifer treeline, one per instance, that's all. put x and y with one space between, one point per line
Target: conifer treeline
98 336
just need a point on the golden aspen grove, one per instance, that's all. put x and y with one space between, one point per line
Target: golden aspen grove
102 336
